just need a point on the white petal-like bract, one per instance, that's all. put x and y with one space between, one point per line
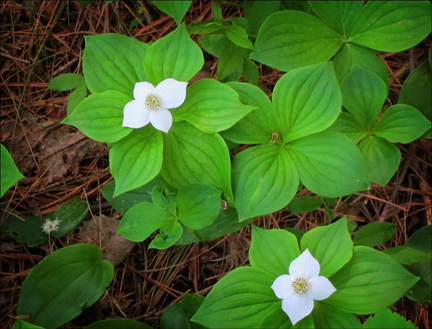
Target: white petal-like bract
135 115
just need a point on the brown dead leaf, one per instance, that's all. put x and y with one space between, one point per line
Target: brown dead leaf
115 247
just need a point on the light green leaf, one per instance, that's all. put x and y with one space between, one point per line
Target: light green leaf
211 106
136 159
76 97
258 126
199 205
9 171
331 245
329 316
374 234
292 39
232 56
191 156
405 255
273 250
175 9
70 214
20 324
369 273
417 90
363 94
113 61
142 220
66 81
401 124
307 100
351 56
100 116
339 15
304 204
168 235
63 284
278 319
258 12
264 179
217 12
125 201
118 324
348 125
381 159
329 164
173 56
392 25
241 299
214 44
387 319
251 72
238 36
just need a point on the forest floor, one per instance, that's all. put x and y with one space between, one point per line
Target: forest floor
42 39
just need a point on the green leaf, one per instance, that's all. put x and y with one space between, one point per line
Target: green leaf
164 199
173 56
63 284
264 179
168 235
348 125
9 171
329 164
232 56
125 201
238 36
273 250
66 81
113 62
258 12
421 292
251 72
136 159
226 223
306 101
26 229
369 273
405 255
392 26
401 124
329 316
214 44
304 204
217 12
381 159
100 116
277 319
191 156
76 97
387 319
257 126
70 214
199 205
211 106
178 315
417 90
351 56
339 15
241 299
292 39
118 324
331 245
175 9
20 324
363 94
374 234
297 232
421 239
205 27
142 220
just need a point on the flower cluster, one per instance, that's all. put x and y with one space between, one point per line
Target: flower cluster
50 225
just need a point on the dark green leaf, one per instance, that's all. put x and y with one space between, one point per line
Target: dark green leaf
304 204
70 214
374 234
118 324
66 81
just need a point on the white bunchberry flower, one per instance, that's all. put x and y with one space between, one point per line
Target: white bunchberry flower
152 104
50 225
301 287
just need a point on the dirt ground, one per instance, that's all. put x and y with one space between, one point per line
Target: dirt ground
42 39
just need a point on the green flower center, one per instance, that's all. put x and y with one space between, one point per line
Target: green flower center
152 101
299 285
